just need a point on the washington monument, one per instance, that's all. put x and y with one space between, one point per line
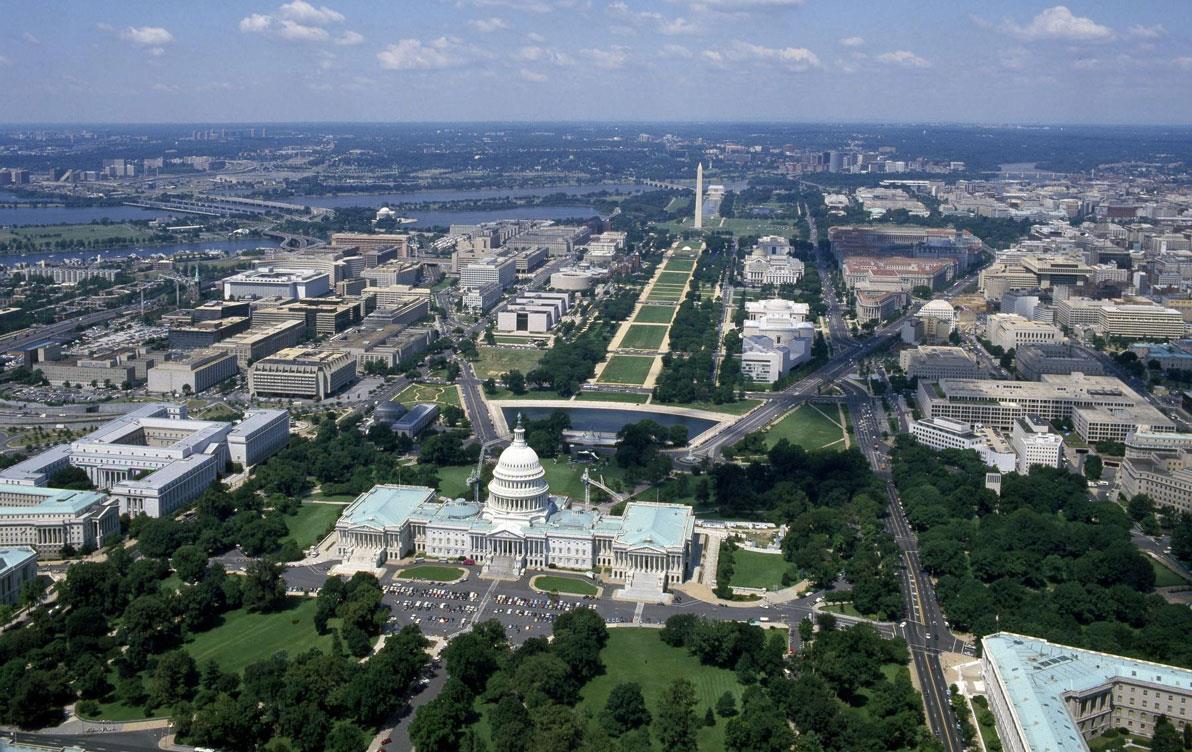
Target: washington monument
699 196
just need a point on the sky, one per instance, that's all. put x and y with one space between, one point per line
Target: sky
1009 61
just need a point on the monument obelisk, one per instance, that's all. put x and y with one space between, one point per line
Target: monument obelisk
699 196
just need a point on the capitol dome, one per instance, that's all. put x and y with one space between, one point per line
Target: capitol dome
518 489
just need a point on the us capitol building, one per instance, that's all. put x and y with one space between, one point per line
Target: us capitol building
521 526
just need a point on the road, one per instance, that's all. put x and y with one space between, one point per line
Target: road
925 629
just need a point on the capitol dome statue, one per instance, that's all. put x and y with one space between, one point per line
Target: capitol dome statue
518 491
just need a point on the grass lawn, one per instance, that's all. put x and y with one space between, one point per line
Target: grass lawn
637 399
754 570
672 278
514 339
246 638
441 394
679 265
654 314
1165 577
45 238
569 585
306 528
564 477
846 609
495 361
430 572
638 655
626 369
644 336
531 394
678 203
118 711
807 427
665 294
453 481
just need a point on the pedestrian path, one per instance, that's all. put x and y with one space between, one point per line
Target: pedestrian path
637 612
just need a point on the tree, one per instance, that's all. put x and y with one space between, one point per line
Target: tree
1092 467
580 635
190 562
1165 738
511 725
626 709
174 679
74 478
676 723
263 589
726 706
709 717
345 737
516 382
470 659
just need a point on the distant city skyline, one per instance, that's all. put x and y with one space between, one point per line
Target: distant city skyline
1018 61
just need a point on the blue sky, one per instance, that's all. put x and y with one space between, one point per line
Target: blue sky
1115 61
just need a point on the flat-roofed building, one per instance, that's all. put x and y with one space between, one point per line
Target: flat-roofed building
998 403
205 332
366 242
87 370
577 278
393 273
483 297
1035 359
1141 321
536 312
263 341
1115 423
1169 355
259 435
397 295
1047 697
895 273
302 372
387 345
1056 271
501 271
199 372
944 433
18 565
47 519
776 337
272 282
416 420
934 363
878 305
1035 443
762 270
1078 311
403 312
1011 332
323 316
905 240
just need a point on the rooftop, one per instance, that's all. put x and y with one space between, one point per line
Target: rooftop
388 505
48 500
1036 674
664 525
15 557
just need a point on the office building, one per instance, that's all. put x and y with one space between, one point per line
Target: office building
301 372
111 371
393 273
387 346
776 337
944 433
416 420
501 271
323 316
273 282
1053 397
153 459
1034 443
906 240
18 565
480 299
402 311
1078 311
935 363
258 436
366 243
558 240
1169 355
262 341
1047 697
397 295
534 312
1141 321
47 519
1109 423
520 526
198 373
188 335
878 305
73 275
1010 332
1035 359
895 273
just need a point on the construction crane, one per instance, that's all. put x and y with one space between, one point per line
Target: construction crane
180 281
589 481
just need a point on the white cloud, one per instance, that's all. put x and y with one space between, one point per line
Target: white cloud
147 36
296 32
166 88
677 51
905 58
532 76
488 25
349 38
300 10
1059 23
257 22
527 6
414 54
610 59
1014 58
1146 32
28 37
797 59
678 25
745 4
534 36
534 54
852 42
